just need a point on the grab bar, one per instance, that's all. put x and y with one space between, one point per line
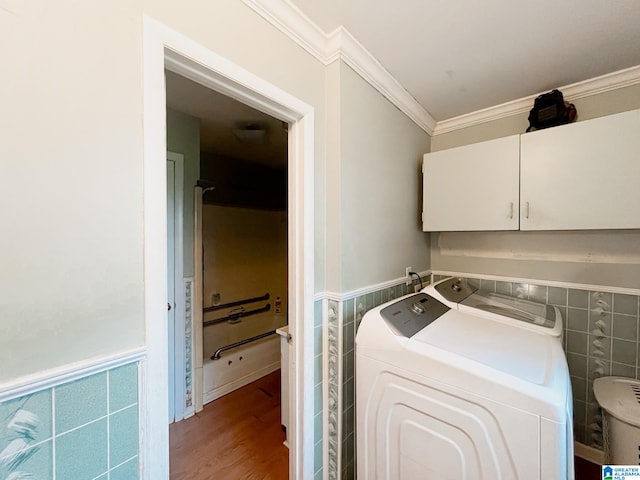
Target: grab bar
216 356
235 304
237 315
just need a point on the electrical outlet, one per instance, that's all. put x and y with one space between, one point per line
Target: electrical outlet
407 276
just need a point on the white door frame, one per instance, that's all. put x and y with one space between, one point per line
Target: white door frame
166 48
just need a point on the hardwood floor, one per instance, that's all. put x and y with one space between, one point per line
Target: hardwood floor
236 437
239 437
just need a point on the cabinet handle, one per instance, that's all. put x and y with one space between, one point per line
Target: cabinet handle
526 209
511 210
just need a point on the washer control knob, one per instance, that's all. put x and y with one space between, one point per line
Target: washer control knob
417 308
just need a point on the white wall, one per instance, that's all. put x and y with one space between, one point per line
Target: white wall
333 202
245 256
589 257
380 187
71 189
233 30
183 136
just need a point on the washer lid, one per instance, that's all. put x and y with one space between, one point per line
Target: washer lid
519 352
516 308
464 294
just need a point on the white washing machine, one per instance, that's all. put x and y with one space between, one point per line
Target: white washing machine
448 389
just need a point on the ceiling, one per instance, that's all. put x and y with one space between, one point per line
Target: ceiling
220 115
461 56
454 57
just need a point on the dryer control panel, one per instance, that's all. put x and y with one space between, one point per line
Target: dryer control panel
409 315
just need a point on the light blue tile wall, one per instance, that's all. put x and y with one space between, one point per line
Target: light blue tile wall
81 402
126 471
83 452
123 387
123 446
85 429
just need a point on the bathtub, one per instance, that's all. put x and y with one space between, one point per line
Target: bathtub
241 365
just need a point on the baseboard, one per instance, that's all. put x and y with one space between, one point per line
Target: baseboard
188 413
590 454
212 395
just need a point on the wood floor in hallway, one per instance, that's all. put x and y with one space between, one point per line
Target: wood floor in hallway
236 437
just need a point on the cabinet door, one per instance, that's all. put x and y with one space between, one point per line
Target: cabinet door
585 175
474 187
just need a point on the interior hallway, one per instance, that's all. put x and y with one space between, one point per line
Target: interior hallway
238 436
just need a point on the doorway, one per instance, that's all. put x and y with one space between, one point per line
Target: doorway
165 48
236 158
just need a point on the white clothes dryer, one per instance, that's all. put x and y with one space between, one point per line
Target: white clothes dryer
460 393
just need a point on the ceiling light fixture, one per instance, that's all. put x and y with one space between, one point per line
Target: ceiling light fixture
251 134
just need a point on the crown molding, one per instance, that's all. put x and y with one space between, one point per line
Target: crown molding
367 66
291 21
341 45
604 83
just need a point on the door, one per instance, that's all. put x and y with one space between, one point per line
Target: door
171 291
473 187
176 380
582 176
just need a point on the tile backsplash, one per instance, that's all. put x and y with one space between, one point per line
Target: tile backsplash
601 333
85 429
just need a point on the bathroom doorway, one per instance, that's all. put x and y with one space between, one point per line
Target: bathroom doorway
235 248
165 49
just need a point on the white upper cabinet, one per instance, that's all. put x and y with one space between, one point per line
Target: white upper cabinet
581 176
474 187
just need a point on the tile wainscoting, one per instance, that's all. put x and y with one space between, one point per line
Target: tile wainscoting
341 318
83 429
601 338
